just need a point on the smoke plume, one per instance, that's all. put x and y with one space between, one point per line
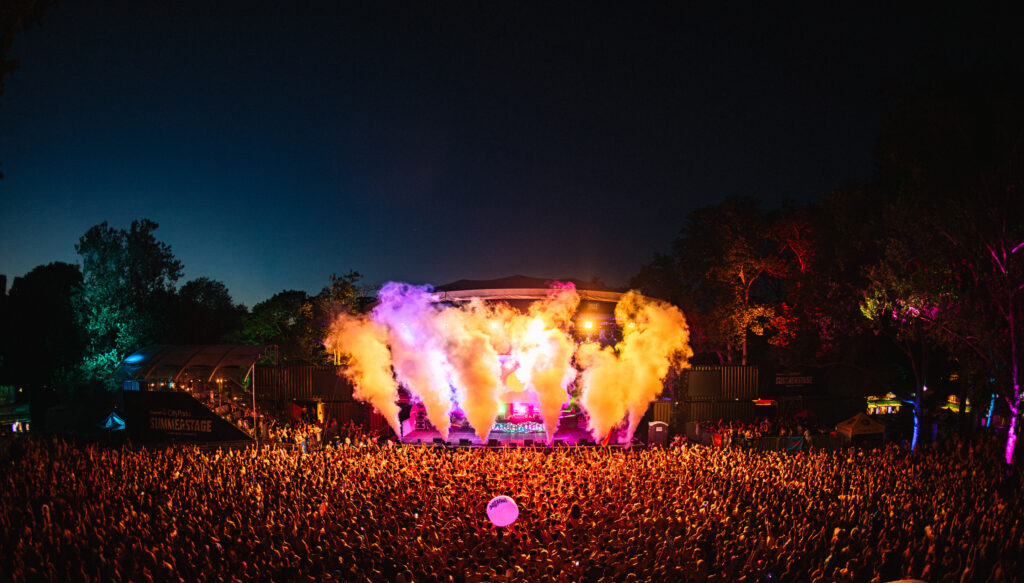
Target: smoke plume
545 350
478 355
409 314
370 367
623 380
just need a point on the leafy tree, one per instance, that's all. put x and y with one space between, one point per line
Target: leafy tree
126 293
298 323
904 299
41 342
953 159
278 320
737 271
342 295
206 313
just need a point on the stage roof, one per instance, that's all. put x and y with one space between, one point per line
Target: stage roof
520 287
171 361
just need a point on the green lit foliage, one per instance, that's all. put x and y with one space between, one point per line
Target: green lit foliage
126 294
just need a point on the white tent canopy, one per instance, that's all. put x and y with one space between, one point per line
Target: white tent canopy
859 424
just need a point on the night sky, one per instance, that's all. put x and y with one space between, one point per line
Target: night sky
429 142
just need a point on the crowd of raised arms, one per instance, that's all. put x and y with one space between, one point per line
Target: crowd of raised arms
948 512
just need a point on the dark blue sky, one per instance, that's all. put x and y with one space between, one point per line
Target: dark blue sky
429 142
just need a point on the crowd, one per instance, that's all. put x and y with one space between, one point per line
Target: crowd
735 431
947 513
309 435
231 408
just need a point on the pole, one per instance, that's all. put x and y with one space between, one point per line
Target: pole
255 428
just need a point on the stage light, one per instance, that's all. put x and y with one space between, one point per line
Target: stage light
588 324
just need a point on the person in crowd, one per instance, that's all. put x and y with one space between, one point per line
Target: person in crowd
73 512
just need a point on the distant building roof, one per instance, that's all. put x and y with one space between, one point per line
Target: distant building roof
523 282
521 287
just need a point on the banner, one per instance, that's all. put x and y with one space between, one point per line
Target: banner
178 417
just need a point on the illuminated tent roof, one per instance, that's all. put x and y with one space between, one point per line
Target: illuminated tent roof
205 362
113 422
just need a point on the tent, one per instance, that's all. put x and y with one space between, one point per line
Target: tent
859 424
113 422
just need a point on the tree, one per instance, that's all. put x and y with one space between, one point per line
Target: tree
737 271
126 293
41 342
953 157
278 320
904 299
298 323
206 313
342 295
986 241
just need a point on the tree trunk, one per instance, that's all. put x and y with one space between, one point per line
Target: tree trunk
919 381
1011 435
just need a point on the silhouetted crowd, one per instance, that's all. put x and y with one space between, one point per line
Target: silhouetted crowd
232 409
947 513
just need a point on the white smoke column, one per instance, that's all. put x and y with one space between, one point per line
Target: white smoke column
627 378
545 352
369 368
410 314
476 370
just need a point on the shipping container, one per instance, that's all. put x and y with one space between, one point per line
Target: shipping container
714 382
698 411
302 383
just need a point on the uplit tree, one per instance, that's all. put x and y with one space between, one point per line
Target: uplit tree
126 293
954 160
906 299
738 271
987 247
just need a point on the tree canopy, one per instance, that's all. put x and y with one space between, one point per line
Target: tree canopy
126 292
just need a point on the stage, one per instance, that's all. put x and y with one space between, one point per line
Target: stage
569 437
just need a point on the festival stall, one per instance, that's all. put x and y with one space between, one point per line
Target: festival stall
860 426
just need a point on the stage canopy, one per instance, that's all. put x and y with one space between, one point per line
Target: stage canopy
175 362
